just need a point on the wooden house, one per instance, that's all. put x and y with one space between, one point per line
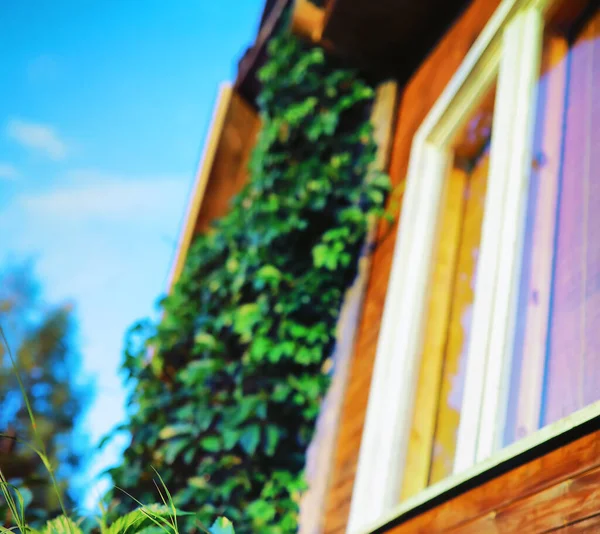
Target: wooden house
468 358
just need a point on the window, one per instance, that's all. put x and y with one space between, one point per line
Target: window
556 365
448 319
491 328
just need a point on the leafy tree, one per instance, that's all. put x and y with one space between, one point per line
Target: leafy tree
40 339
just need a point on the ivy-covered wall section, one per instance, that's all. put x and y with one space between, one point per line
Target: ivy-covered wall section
227 409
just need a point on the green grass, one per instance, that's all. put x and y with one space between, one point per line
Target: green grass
146 519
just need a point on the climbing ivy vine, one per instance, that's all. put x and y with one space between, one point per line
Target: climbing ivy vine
242 354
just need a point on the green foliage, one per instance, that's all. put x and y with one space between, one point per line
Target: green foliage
227 409
60 525
42 377
152 519
222 526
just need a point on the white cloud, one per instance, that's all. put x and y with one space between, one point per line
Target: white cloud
88 228
7 171
89 195
38 137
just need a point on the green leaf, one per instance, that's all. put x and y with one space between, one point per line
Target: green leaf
222 526
329 121
143 518
152 529
198 482
132 522
173 448
269 274
232 265
211 444
262 512
171 431
381 180
205 340
62 525
230 438
281 392
260 347
245 319
352 214
376 196
250 439
298 111
320 255
272 438
231 484
189 455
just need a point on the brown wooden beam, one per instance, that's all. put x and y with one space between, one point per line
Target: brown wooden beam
544 493
308 21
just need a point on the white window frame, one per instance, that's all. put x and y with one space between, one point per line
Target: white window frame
508 50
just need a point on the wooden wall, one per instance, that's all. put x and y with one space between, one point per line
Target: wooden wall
229 171
558 491
223 169
418 96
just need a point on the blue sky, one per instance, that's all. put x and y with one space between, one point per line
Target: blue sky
104 106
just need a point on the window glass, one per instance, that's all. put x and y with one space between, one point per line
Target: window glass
556 366
460 318
448 322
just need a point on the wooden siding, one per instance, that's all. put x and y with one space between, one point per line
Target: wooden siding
229 171
223 169
418 96
308 20
558 491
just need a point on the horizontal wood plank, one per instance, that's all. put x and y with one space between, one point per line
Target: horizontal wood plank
589 525
554 490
